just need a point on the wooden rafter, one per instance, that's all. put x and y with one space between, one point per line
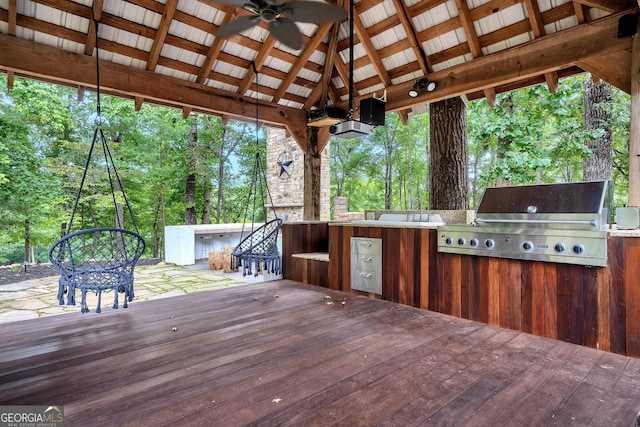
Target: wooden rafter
537 27
12 14
309 49
581 11
214 49
474 43
258 62
90 42
405 21
329 63
370 49
608 5
161 33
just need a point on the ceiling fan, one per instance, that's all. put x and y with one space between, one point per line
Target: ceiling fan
281 17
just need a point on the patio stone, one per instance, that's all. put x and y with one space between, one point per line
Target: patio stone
38 298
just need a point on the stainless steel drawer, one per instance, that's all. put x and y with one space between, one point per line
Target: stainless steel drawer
366 264
366 281
363 245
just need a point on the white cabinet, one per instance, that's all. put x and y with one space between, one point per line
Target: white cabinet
366 264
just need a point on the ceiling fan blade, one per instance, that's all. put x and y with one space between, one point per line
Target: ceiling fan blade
286 32
314 12
237 26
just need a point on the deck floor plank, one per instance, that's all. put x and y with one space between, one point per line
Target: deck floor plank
283 353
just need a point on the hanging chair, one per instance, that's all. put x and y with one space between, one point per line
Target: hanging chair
258 251
98 259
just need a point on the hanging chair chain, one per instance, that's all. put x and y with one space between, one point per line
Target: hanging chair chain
109 164
258 169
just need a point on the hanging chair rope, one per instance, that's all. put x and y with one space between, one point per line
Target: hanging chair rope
258 251
98 259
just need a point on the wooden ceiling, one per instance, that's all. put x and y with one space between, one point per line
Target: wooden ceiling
166 52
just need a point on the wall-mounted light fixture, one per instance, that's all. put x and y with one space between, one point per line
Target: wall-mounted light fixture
421 86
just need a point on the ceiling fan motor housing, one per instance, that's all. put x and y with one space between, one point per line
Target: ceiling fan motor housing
268 14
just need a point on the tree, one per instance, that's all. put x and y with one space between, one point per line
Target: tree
597 118
389 136
190 191
449 178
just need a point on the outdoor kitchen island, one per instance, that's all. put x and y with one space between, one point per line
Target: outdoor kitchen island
597 307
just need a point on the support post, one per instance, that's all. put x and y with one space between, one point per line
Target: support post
312 172
634 133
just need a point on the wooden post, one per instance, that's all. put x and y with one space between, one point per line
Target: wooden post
634 133
312 163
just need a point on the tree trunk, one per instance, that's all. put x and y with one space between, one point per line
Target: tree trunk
597 100
503 142
388 185
312 168
206 209
449 177
190 191
27 240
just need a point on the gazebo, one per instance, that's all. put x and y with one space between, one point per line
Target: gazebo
448 338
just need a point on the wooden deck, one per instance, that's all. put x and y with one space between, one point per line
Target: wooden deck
279 353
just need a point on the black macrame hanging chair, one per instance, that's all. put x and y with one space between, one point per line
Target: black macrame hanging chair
258 251
98 259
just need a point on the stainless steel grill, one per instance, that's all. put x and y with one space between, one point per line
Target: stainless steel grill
563 223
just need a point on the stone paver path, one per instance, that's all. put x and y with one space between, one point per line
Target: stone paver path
38 298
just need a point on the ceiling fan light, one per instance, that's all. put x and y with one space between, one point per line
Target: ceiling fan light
413 92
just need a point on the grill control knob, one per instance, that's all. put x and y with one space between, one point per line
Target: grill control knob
489 243
448 240
560 247
473 242
527 246
461 241
578 249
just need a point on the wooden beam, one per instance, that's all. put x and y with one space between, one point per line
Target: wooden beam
537 27
161 33
186 111
607 5
613 68
137 102
258 61
10 79
81 91
490 95
215 48
552 81
409 29
90 42
372 53
12 17
325 81
404 116
63 67
582 12
309 50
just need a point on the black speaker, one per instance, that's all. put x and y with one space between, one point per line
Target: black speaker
627 25
372 111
